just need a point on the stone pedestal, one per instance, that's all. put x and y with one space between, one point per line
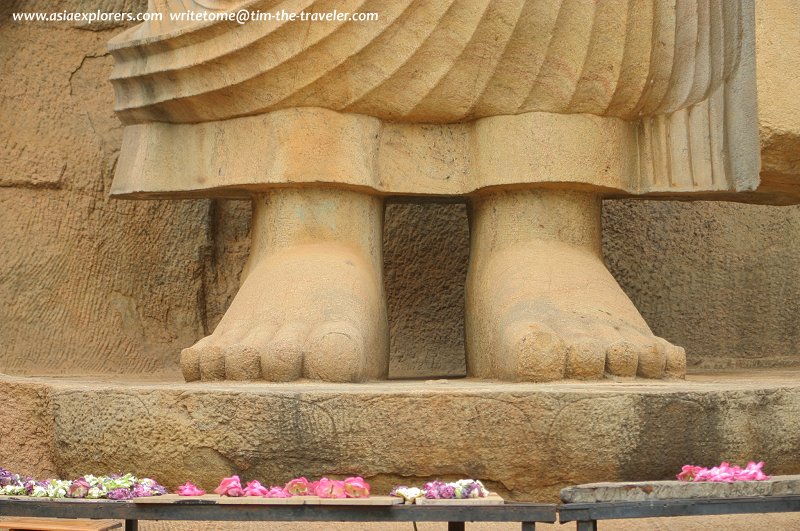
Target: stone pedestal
527 441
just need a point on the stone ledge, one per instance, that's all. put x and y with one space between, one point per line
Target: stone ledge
667 490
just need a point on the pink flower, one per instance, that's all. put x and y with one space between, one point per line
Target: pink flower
298 487
254 488
277 492
231 486
356 487
329 488
724 473
752 472
189 489
688 472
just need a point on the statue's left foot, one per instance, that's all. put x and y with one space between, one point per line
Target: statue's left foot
549 312
541 304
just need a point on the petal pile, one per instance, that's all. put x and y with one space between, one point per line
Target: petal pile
724 473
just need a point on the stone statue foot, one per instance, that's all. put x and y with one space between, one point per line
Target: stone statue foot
541 304
311 304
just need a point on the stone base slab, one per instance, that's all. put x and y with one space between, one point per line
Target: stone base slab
526 441
666 490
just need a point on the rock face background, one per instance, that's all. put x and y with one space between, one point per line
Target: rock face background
90 285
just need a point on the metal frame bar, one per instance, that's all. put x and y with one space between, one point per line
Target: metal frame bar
587 514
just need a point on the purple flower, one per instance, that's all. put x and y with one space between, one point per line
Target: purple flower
432 490
119 494
79 488
141 491
147 487
29 483
7 478
447 492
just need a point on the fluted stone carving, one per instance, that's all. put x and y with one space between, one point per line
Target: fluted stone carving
441 61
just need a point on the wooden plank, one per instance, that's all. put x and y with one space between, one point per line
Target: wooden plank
311 500
34 499
176 498
371 501
491 499
169 499
58 524
258 500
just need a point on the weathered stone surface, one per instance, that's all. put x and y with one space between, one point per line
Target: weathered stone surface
664 490
67 250
312 146
85 287
778 61
223 257
425 252
26 429
717 278
83 269
528 441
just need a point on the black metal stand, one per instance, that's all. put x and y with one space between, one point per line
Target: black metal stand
587 514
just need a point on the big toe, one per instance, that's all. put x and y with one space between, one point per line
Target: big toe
538 353
336 353
212 363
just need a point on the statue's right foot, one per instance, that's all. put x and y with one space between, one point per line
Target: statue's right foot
541 304
313 310
555 314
